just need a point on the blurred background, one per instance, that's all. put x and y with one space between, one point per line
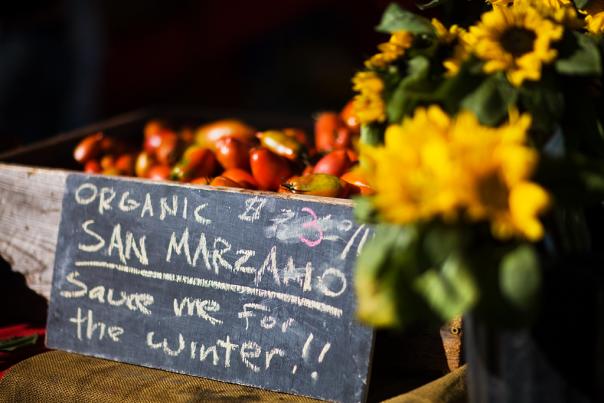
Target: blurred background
67 63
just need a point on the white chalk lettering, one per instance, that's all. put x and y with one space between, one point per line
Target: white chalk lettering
270 354
126 204
86 200
198 217
204 352
270 264
198 307
203 249
116 242
95 247
71 278
324 282
165 209
164 345
239 263
147 207
228 347
105 198
139 251
217 258
92 327
253 207
250 349
178 247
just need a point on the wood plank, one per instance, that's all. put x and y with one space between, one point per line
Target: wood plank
30 210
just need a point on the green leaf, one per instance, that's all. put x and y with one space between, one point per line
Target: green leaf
382 291
364 210
372 134
545 102
412 90
583 60
397 19
427 4
491 100
18 342
581 4
520 278
450 290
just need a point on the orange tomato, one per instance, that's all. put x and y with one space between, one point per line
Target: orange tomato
159 172
143 163
233 153
242 177
316 185
357 183
207 135
335 163
352 156
269 169
204 180
226 182
154 126
298 134
107 162
281 144
89 148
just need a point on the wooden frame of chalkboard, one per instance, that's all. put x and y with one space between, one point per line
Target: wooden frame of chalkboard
245 287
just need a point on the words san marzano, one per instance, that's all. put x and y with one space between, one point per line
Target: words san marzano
198 250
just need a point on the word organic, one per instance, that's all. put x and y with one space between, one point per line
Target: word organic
246 288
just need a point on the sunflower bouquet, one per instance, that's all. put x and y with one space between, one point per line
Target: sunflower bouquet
483 137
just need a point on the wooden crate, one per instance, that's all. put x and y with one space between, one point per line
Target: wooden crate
32 182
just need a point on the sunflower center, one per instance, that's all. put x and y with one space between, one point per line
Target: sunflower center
517 41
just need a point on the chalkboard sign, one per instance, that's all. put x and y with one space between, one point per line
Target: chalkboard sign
246 288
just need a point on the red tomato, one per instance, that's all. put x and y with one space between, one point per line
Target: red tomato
159 172
331 133
335 163
169 148
196 161
269 169
242 177
92 167
125 164
349 117
233 153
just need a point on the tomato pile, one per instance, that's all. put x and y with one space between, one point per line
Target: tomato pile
233 154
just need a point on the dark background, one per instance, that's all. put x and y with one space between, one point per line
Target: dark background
66 63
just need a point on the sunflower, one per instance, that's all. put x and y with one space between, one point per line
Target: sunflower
517 40
391 50
436 166
454 37
594 19
368 104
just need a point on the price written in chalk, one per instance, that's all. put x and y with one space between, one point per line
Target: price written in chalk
245 288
